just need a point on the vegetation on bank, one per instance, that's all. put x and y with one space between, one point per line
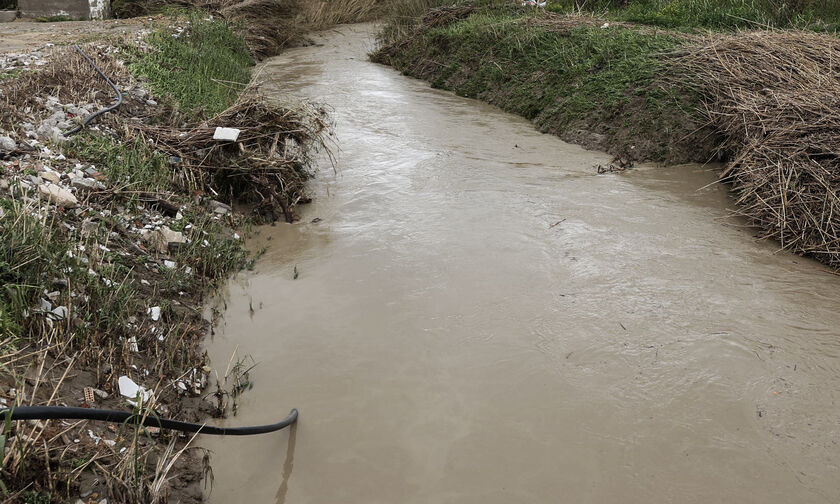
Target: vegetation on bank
203 68
113 284
763 100
817 15
600 86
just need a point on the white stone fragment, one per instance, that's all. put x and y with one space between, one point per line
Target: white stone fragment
228 134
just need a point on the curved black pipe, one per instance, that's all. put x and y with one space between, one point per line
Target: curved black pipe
101 111
68 413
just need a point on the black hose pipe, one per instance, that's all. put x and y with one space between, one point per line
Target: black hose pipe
101 111
68 413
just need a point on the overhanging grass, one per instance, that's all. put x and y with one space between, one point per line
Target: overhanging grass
202 69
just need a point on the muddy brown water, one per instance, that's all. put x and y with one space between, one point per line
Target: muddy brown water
481 318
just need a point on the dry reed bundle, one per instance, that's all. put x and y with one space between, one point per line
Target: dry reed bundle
444 16
776 98
267 164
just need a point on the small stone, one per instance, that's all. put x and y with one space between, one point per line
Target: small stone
84 183
89 226
100 393
50 176
219 208
162 238
154 311
60 312
7 144
151 103
58 195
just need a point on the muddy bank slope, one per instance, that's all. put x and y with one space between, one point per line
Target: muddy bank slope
765 101
111 237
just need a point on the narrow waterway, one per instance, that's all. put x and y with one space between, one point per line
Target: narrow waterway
479 317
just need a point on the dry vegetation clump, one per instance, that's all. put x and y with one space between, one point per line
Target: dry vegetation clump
69 78
775 96
322 14
268 25
266 166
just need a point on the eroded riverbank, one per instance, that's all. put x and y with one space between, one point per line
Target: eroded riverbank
480 317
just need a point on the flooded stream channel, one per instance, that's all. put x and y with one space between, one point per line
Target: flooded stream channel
480 317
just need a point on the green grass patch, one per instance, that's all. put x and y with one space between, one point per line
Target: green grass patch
133 164
819 15
202 68
562 78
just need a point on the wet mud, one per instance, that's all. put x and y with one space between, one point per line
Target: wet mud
480 317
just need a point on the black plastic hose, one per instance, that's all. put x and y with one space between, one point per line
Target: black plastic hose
101 111
69 413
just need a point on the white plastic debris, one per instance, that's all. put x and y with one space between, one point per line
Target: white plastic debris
154 311
228 134
131 390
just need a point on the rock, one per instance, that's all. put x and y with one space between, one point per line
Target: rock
58 195
151 103
4 184
100 393
89 226
48 131
7 144
162 237
50 176
86 184
219 207
154 311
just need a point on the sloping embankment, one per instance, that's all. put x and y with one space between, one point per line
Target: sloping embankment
767 102
111 238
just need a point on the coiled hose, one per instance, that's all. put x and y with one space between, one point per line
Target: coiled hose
69 413
98 113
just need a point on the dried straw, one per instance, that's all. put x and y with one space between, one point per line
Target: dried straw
266 166
776 98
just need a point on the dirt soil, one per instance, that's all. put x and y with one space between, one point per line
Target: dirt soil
27 35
